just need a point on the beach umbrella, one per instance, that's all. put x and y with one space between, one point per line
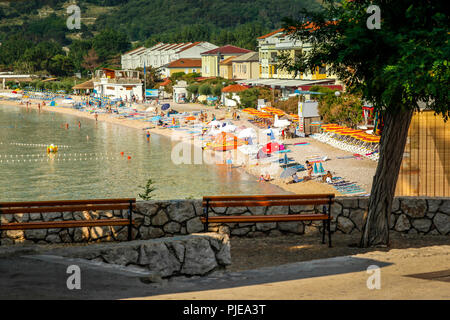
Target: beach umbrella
165 106
288 172
190 118
214 123
229 128
247 133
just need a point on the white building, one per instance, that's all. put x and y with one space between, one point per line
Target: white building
118 84
162 54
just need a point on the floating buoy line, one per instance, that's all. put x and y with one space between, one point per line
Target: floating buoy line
32 144
59 157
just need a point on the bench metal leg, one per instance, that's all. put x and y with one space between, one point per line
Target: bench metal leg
324 226
329 233
130 225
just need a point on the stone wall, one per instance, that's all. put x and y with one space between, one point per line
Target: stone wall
155 219
191 255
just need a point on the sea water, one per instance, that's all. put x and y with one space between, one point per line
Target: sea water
89 163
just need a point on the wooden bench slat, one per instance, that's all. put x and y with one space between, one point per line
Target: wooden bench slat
268 218
65 202
264 203
85 207
64 224
269 197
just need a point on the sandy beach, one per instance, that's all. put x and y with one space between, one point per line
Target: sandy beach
359 171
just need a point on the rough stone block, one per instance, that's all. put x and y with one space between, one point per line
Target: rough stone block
172 227
277 210
445 207
266 226
121 256
36 234
157 257
402 223
433 205
442 223
422 225
194 225
294 227
160 218
345 225
180 211
199 257
357 216
415 208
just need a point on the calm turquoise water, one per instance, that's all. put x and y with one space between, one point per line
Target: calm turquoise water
86 168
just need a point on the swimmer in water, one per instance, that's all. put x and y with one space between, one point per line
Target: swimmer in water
148 135
79 124
67 126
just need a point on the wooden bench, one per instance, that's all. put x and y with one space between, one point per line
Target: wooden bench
270 200
44 207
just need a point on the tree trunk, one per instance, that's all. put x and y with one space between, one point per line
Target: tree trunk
392 144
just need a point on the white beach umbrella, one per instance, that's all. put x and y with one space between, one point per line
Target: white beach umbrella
247 133
229 128
214 123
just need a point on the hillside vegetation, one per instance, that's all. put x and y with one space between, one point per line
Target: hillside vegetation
35 39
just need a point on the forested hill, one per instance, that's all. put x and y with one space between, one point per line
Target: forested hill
30 29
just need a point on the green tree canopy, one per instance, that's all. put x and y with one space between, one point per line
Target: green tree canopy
397 67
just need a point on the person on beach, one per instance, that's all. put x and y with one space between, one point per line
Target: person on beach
327 178
229 161
267 177
261 178
309 168
79 124
96 117
67 126
148 136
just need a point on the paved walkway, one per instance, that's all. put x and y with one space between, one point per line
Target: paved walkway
36 275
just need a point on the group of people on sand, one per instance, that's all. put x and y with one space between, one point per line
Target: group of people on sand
309 168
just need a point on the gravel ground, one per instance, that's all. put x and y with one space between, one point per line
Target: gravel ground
253 253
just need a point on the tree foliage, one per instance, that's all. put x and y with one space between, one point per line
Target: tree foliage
396 68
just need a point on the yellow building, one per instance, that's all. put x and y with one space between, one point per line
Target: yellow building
226 68
184 65
272 46
211 59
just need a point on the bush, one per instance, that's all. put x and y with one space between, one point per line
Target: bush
205 89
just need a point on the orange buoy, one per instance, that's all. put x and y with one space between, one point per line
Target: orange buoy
121 153
129 158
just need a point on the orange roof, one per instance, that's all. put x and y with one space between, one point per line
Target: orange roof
234 88
309 25
165 82
271 33
227 61
186 63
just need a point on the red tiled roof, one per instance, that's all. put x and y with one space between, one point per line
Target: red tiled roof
186 63
228 49
204 78
234 88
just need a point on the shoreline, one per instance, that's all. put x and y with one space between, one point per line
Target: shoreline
240 160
